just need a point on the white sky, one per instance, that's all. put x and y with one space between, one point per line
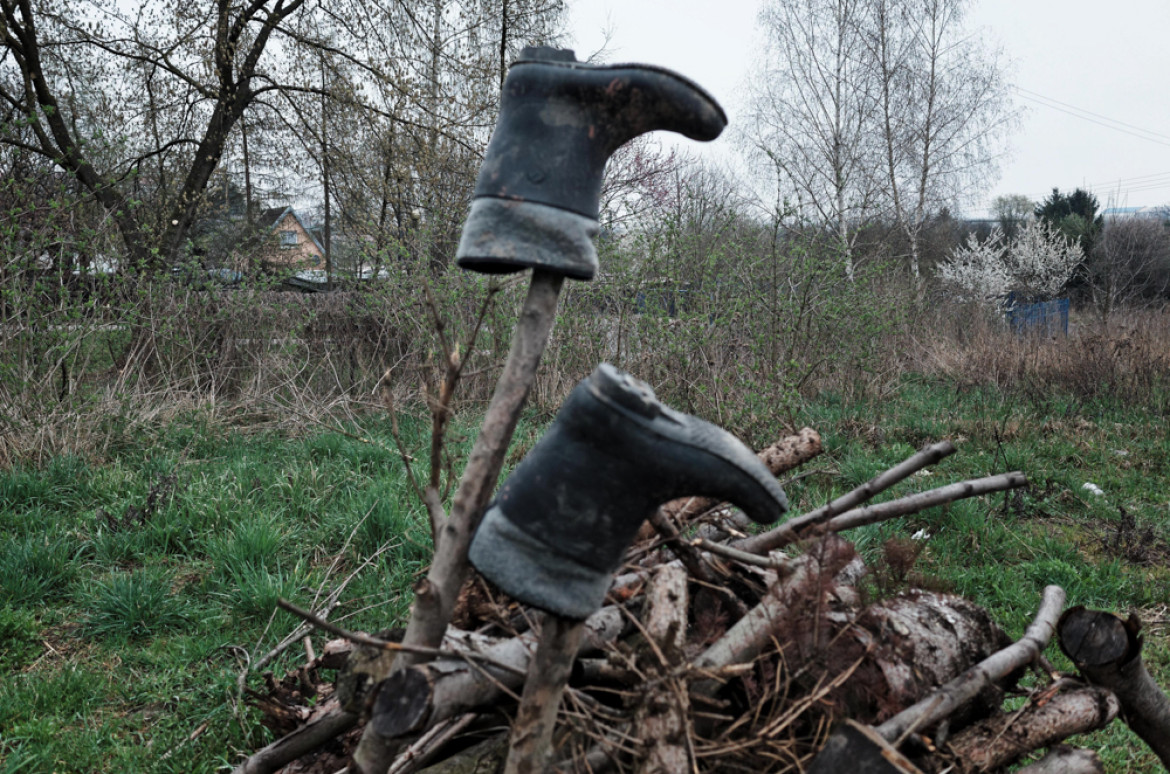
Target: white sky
1073 55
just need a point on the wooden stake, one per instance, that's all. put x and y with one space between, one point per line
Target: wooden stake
532 732
435 595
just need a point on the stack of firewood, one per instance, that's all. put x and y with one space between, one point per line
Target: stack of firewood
720 651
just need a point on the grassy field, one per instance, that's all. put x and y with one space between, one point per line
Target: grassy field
134 588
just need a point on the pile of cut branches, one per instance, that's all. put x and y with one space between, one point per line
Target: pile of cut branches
719 651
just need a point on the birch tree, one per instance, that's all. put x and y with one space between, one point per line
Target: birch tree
812 113
873 109
943 105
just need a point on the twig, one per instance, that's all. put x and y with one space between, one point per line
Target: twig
787 532
685 551
331 602
429 743
436 595
914 503
741 556
374 642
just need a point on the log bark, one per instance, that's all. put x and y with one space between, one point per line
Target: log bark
944 701
1066 760
902 648
1002 740
411 700
1107 650
662 717
532 731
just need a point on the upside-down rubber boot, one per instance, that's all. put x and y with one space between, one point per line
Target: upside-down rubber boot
538 192
560 524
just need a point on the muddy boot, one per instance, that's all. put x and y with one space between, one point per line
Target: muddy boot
561 523
538 192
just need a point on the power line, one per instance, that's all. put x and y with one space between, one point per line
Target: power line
1138 180
1035 94
1099 123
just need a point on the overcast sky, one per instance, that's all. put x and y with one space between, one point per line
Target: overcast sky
1094 81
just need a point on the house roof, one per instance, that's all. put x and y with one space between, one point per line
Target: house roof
274 215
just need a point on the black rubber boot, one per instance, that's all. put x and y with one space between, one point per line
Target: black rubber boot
560 524
538 192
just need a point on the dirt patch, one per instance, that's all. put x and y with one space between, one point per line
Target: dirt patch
1135 543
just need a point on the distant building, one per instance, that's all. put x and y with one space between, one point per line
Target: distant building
1161 212
293 244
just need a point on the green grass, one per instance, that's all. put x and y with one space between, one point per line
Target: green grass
128 585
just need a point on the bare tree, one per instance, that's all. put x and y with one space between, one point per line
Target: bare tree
812 113
871 108
1129 265
943 104
140 101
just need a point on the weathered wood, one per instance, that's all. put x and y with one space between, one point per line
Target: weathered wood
1003 739
292 746
780 457
662 718
788 532
532 731
483 758
944 701
1108 652
411 700
436 594
752 633
1066 760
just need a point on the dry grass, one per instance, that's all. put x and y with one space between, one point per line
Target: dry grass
1127 360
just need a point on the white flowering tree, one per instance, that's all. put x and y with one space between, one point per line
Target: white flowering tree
977 270
1036 263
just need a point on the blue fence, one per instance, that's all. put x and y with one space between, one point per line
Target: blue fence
1046 318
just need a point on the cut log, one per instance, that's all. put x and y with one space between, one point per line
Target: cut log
412 699
943 702
1002 740
904 647
1066 760
1108 652
662 718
